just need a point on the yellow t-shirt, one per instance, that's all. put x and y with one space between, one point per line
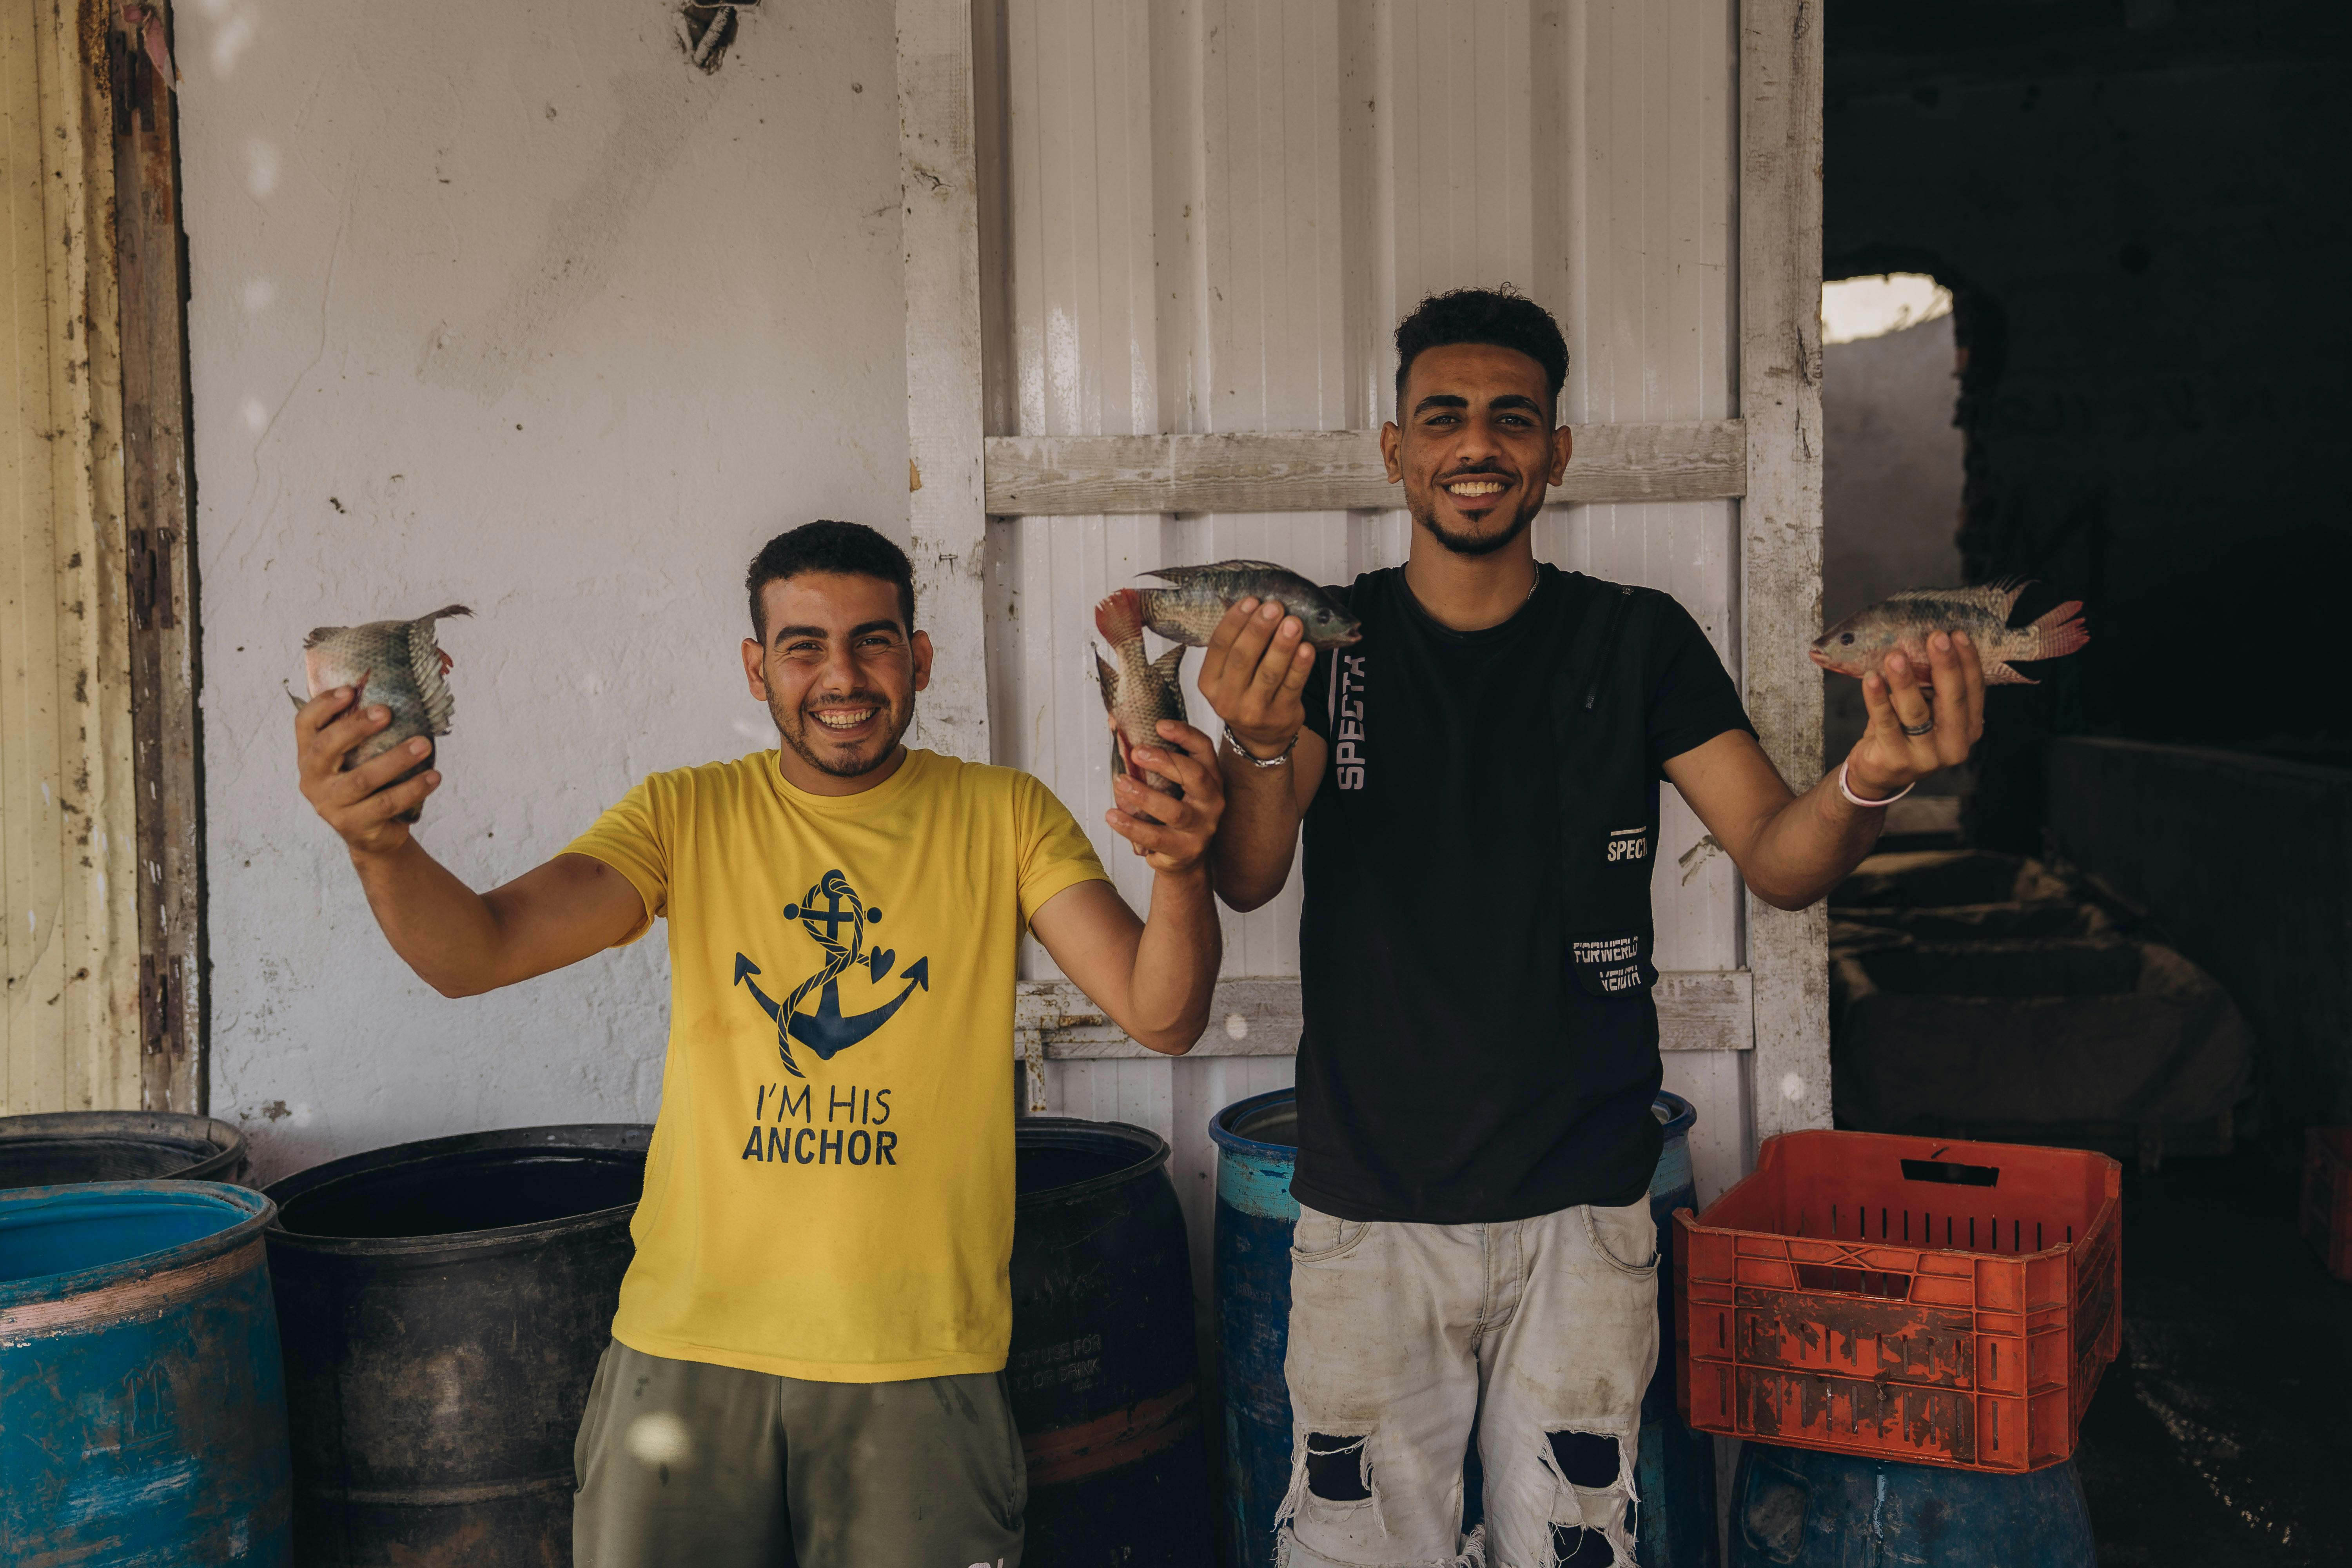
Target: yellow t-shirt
834 1201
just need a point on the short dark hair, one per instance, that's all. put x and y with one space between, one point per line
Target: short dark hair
828 546
1502 317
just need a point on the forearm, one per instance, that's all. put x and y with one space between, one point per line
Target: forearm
1177 953
449 934
1259 832
1806 847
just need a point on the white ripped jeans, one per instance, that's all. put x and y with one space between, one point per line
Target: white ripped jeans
1541 1332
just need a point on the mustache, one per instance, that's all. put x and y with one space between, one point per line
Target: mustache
1487 470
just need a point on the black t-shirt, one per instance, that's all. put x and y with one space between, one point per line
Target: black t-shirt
1449 1073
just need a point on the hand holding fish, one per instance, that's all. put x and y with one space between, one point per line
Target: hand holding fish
1173 833
363 804
1914 731
1255 669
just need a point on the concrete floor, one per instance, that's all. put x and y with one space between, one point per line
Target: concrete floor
2219 1435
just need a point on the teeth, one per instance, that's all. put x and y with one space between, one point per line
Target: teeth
842 718
1476 488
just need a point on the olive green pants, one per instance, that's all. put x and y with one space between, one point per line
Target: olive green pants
681 1464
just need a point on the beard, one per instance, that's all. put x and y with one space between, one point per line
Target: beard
798 730
1461 543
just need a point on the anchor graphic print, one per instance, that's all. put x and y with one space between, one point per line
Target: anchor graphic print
828 906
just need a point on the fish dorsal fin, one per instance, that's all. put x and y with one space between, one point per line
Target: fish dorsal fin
321 634
1993 598
1168 666
1107 675
424 664
1181 575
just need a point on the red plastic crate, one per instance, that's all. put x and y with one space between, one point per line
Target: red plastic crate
1916 1298
2328 1196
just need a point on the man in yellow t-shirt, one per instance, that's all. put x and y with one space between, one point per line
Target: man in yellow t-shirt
810 1347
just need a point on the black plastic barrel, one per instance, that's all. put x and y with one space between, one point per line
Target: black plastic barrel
56 1149
1103 1366
444 1305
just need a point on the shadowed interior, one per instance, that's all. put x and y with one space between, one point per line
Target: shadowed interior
484 1189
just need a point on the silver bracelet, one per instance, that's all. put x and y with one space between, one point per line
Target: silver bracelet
1853 799
1253 759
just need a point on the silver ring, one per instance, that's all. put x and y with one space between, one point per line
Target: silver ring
1918 730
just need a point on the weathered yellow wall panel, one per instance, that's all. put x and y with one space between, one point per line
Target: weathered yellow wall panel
69 953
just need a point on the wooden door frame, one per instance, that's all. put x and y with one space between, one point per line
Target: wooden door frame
114 274
160 562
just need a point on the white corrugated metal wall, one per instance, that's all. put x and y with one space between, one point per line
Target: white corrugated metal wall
1207 216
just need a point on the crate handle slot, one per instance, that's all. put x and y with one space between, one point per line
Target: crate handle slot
1882 1285
1951 1172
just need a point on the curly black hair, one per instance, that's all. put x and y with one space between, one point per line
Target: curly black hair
829 546
1502 317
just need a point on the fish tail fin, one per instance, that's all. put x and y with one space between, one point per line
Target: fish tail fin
1119 617
2060 632
430 669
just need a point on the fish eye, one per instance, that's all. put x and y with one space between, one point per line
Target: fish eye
1845 640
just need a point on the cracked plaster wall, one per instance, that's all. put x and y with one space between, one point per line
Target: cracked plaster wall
507 305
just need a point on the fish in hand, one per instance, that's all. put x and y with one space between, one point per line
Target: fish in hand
395 664
1904 622
1188 612
1138 691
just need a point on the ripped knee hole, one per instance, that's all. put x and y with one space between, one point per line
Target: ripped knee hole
1335 1468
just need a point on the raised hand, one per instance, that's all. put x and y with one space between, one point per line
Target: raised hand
1179 841
356 804
1253 672
1910 736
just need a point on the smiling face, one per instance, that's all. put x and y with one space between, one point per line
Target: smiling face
839 673
1474 445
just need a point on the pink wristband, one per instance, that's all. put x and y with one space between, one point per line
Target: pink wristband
1853 799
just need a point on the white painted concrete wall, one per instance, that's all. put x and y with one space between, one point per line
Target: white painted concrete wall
507 305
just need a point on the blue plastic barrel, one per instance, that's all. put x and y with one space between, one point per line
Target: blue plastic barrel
1804 1507
1257 1143
1674 1477
142 1408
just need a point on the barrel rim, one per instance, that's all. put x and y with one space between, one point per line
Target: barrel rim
1222 1125
1075 1131
637 1136
226 1140
259 1209
1681 1114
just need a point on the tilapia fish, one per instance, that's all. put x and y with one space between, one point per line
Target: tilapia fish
1190 611
1904 622
1139 690
390 664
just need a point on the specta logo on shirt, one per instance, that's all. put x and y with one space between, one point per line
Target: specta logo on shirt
1628 844
828 1031
1347 716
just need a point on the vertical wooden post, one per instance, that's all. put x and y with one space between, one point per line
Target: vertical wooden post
161 563
940 186
1781 520
68 1007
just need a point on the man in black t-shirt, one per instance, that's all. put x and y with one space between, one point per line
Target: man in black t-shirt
1478 781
